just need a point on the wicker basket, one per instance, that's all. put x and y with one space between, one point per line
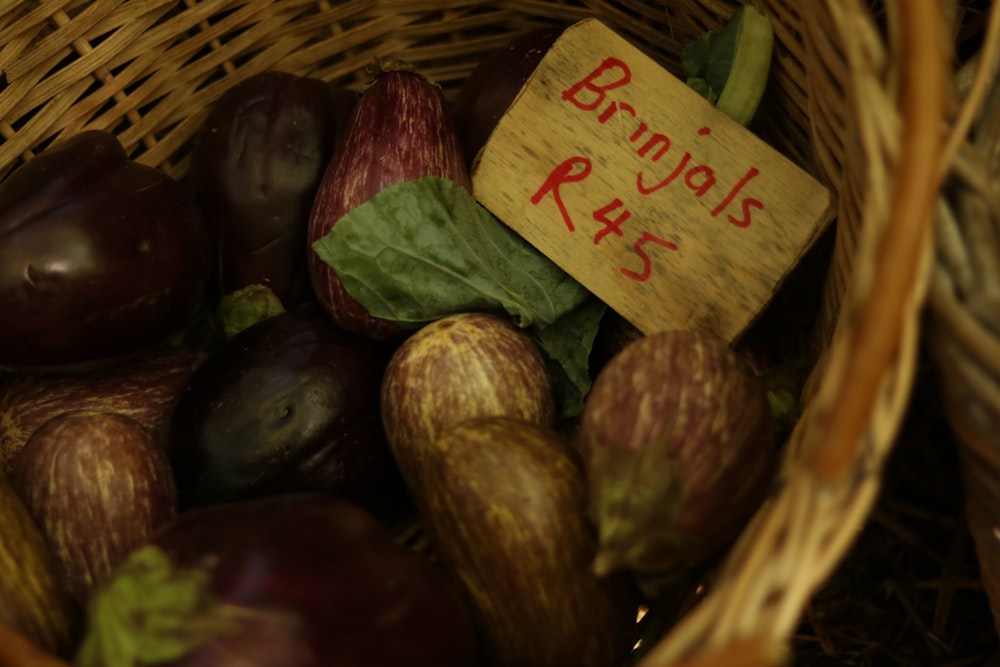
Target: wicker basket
858 97
963 327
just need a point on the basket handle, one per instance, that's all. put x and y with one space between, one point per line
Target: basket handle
873 326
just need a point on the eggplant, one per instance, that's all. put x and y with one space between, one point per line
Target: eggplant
492 86
98 484
289 404
678 441
145 389
457 367
503 503
100 256
300 580
255 168
34 596
401 130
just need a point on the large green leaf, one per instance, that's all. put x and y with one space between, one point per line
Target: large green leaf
423 249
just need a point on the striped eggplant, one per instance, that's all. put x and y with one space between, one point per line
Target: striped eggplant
677 438
98 484
401 129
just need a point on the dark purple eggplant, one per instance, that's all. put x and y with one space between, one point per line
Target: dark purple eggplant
98 485
295 581
493 85
289 404
255 168
100 256
401 130
145 389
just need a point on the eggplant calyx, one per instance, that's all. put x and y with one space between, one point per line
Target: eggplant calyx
635 504
152 612
380 66
247 306
751 64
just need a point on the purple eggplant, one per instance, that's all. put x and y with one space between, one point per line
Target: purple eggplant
291 581
401 130
678 440
98 484
255 168
288 404
145 388
100 256
493 85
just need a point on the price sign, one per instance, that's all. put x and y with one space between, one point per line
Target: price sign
660 204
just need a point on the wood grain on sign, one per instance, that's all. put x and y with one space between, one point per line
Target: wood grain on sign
669 211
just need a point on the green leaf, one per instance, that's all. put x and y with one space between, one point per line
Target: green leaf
423 249
708 59
703 88
420 250
730 66
566 345
151 612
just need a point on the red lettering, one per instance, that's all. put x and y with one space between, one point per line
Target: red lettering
563 173
707 180
745 207
647 263
660 139
639 131
728 199
648 190
612 67
613 108
611 225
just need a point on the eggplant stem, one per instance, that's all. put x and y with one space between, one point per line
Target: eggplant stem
751 64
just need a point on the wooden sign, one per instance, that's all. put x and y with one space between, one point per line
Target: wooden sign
669 211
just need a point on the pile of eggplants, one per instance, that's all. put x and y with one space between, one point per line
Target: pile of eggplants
298 446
